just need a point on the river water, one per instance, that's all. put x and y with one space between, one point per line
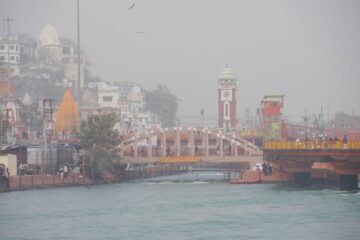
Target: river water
191 206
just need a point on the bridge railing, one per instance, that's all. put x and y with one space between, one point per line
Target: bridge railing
322 144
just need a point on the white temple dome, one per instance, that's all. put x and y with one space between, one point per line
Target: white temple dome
49 36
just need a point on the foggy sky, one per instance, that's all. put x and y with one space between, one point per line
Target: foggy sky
308 50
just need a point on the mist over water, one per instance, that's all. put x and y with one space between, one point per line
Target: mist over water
182 207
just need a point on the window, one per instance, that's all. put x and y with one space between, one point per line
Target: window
226 109
17 58
107 99
12 58
2 47
16 48
2 58
66 50
12 47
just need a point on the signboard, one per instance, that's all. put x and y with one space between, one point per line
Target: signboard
185 159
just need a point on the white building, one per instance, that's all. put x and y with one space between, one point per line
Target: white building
126 98
69 60
56 53
10 54
108 96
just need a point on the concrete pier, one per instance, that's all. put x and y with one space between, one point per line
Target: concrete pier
348 182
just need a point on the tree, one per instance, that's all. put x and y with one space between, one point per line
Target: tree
163 103
100 141
31 115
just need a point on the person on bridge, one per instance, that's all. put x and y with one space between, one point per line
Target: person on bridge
168 151
345 141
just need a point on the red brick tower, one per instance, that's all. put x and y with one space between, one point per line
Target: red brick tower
227 91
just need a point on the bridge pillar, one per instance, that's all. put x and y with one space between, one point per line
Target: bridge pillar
348 182
203 142
177 141
135 149
236 149
163 143
191 142
221 146
121 150
302 179
206 143
149 151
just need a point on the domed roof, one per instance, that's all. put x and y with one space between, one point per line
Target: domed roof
227 73
49 36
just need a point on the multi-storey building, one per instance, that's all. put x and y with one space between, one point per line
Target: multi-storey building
10 54
108 96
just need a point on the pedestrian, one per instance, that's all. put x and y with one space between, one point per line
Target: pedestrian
61 173
7 178
65 171
345 141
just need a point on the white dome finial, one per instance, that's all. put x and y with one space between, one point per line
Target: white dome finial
49 36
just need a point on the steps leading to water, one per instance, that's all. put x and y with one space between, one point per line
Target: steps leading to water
257 176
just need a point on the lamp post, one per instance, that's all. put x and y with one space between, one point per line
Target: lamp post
8 20
78 63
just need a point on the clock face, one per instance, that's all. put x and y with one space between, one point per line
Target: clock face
226 95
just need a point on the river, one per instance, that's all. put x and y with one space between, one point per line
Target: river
191 206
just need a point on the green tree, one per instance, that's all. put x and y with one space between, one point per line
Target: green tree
101 142
31 115
163 103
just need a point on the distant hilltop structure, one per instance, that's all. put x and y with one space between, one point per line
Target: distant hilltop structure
22 54
60 54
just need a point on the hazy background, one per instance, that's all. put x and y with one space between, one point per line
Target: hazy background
308 50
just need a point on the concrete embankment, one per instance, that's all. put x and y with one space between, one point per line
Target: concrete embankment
44 181
256 176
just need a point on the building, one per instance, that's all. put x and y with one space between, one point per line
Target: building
271 108
60 54
69 59
127 99
227 99
108 95
10 54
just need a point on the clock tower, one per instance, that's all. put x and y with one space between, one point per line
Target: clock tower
227 91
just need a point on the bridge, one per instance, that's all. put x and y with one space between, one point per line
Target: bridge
330 161
189 145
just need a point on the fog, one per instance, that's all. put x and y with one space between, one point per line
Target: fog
308 50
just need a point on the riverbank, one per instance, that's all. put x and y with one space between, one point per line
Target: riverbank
17 183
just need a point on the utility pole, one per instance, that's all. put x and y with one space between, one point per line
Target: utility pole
1 129
8 20
48 125
306 119
78 63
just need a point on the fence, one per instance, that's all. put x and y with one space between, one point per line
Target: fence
321 144
42 181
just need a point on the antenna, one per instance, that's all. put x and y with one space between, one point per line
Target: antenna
353 122
306 119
